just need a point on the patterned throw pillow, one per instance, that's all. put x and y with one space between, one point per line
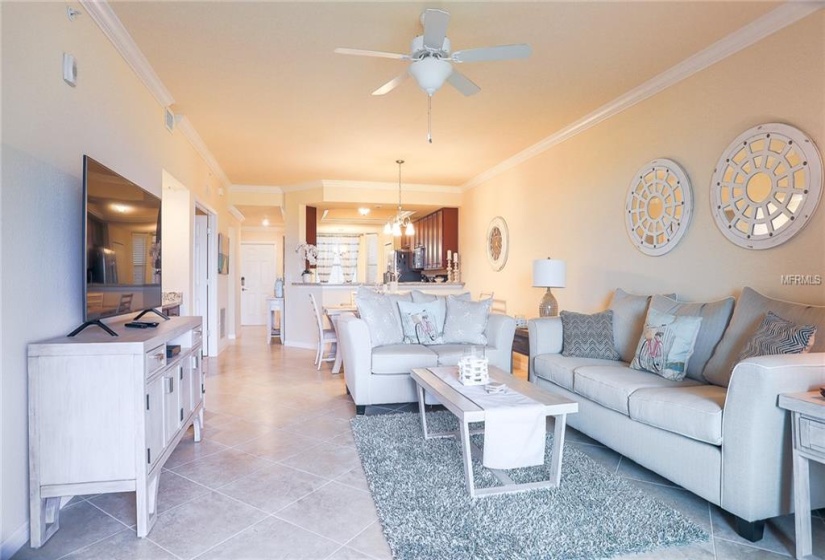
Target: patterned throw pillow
777 336
382 318
666 344
466 321
588 336
423 323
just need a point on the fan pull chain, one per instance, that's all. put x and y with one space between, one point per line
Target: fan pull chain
430 119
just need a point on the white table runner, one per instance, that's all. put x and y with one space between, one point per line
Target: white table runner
514 425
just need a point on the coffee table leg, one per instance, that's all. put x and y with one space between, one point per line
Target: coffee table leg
467 454
421 410
558 449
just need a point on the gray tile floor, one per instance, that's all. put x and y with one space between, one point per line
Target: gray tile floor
277 476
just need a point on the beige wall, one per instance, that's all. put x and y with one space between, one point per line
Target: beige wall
47 127
568 202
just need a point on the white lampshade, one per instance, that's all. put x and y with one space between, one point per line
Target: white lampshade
430 73
549 273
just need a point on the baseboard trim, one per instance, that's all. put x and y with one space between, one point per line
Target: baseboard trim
17 541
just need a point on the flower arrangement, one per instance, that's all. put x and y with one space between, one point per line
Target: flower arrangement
309 254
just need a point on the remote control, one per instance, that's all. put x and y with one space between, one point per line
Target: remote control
141 324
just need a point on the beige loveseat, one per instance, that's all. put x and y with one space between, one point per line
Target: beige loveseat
378 373
719 432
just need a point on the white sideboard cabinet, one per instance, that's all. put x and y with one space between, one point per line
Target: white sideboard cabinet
106 412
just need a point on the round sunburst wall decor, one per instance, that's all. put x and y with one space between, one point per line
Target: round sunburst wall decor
658 207
766 186
498 243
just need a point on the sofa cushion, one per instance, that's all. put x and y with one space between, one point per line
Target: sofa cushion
747 315
715 318
449 354
588 336
629 311
666 344
776 336
394 359
611 386
559 369
422 323
694 412
466 321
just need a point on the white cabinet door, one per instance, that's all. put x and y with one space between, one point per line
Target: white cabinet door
154 420
185 381
171 403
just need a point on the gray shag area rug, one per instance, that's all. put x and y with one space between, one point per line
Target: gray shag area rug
422 501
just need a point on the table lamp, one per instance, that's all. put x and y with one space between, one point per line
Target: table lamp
549 273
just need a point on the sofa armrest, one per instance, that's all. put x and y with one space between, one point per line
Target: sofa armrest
756 433
545 336
500 331
356 353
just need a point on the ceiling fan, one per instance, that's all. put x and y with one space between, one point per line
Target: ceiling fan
432 61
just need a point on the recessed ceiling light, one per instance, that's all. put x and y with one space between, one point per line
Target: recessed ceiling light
363 211
265 222
122 208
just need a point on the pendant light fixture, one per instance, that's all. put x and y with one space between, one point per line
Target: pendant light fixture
400 222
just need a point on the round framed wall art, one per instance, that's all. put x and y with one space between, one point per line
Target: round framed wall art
766 186
498 243
658 207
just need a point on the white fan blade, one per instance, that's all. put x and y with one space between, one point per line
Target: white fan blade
392 84
435 28
502 52
378 54
462 83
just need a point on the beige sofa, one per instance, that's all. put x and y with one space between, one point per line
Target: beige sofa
719 432
380 374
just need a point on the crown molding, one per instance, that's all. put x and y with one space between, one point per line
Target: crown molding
387 186
235 213
102 14
106 19
259 189
775 20
185 127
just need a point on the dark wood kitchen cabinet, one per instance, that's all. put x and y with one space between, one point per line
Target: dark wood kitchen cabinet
437 233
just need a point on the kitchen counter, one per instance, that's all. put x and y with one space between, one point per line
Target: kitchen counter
301 329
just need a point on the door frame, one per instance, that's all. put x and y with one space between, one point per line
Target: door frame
211 318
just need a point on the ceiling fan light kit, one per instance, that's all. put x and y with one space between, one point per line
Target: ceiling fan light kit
431 59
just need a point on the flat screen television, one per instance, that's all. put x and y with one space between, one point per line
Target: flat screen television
121 256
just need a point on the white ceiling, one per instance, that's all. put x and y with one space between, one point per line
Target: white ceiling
261 85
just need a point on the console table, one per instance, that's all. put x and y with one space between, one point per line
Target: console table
106 412
808 428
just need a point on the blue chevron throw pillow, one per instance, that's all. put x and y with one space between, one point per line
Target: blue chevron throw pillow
588 336
775 335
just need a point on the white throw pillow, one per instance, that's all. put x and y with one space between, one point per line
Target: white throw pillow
422 323
666 344
466 321
381 315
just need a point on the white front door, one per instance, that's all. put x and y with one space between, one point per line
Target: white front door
257 281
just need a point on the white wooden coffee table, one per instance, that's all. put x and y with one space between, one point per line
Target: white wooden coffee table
467 411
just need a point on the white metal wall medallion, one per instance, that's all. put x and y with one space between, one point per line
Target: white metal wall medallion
766 186
498 243
658 207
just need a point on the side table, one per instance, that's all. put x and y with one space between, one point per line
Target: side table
521 345
808 426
